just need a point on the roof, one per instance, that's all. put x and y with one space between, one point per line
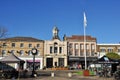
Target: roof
109 44
11 59
80 38
17 39
106 60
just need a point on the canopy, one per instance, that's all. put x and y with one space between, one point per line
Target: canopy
106 60
11 59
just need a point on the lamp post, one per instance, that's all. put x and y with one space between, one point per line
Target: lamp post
34 52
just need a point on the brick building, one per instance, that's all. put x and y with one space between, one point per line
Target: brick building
76 50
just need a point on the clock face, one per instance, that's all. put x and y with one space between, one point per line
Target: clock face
34 51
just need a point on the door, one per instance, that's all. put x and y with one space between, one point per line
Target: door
49 62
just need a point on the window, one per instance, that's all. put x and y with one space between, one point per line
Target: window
21 45
92 54
38 52
76 52
55 49
4 45
12 51
70 45
87 53
81 53
81 46
92 46
61 62
87 46
38 45
4 52
70 53
13 45
60 49
21 52
118 50
29 53
51 49
30 45
110 50
102 50
76 46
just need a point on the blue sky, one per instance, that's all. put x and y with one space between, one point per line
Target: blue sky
36 18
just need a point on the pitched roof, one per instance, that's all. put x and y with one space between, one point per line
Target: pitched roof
16 39
11 59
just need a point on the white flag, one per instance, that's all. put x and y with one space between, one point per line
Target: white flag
85 20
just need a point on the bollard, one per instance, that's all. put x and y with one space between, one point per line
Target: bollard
70 74
52 74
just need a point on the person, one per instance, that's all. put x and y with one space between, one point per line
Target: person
79 66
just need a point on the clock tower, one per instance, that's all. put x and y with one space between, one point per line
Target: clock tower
55 33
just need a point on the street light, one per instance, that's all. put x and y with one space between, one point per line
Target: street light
34 52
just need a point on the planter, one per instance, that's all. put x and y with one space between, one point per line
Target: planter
59 68
86 73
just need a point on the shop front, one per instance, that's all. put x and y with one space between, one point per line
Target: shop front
29 63
79 62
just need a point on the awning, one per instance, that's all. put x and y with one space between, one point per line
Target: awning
32 60
106 60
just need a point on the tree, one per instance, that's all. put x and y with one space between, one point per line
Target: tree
3 32
113 55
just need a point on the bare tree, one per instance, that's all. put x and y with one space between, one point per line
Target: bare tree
3 32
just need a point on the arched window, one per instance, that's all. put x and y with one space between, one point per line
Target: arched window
21 52
29 53
12 51
38 52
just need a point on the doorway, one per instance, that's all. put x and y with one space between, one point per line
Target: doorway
49 62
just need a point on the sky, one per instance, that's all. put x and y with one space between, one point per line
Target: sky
36 18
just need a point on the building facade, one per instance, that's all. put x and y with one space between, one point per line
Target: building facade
21 47
103 49
76 55
55 51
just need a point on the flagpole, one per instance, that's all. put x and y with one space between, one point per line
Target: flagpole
85 24
85 47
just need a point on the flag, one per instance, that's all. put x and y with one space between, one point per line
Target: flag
85 20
